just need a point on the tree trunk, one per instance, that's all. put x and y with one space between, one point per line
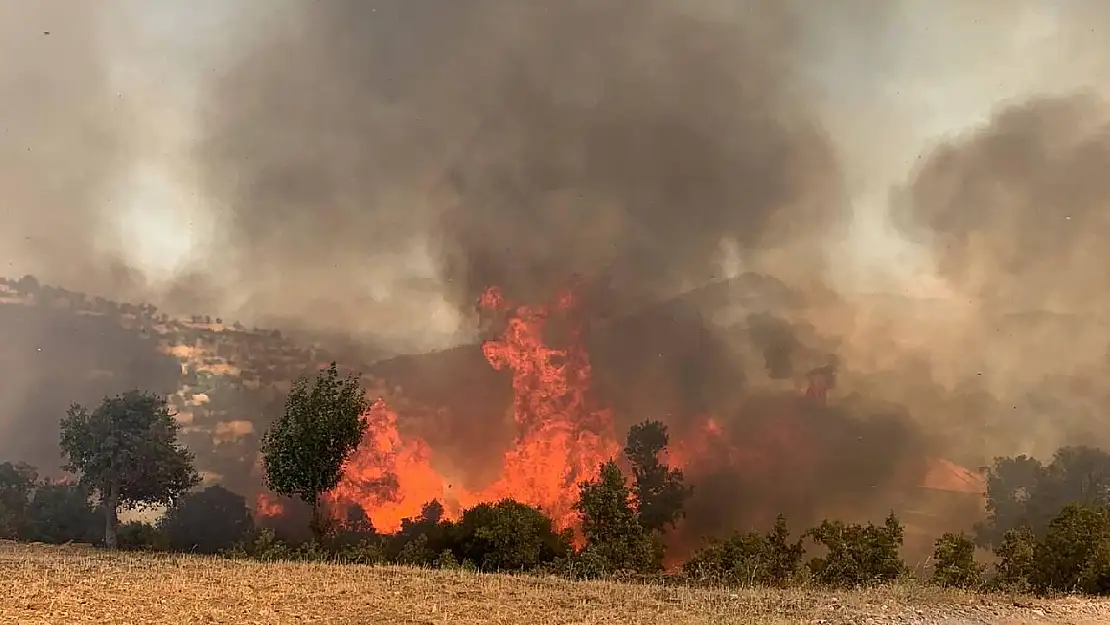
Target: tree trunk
319 524
111 520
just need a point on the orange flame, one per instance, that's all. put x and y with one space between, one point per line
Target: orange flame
267 505
562 438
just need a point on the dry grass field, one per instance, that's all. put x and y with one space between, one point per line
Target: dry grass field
74 585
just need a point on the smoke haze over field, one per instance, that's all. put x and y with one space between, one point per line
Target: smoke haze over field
367 167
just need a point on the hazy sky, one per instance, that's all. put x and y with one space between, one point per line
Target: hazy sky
933 69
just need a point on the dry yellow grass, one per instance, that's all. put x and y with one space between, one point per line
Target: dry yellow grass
73 585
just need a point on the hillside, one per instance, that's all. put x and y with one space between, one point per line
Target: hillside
225 381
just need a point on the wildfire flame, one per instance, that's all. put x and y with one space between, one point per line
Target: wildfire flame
562 437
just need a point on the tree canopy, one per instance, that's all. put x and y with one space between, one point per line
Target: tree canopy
659 489
207 521
304 450
1023 492
126 451
614 537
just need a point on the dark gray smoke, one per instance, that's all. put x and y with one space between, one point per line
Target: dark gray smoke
517 146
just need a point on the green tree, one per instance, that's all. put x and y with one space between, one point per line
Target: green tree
304 450
126 451
743 559
954 564
659 489
508 536
1075 552
207 521
858 555
1011 483
1015 562
17 484
614 537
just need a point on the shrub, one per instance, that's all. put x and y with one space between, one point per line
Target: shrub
614 538
751 558
858 555
508 536
1015 563
139 536
446 560
208 521
954 564
422 538
17 483
61 512
365 551
416 552
589 563
1075 552
264 546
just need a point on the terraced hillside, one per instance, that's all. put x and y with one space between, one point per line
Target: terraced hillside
224 380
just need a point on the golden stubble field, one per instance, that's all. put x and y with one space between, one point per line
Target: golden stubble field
73 585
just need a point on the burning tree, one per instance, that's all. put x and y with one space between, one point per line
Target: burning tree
304 451
126 450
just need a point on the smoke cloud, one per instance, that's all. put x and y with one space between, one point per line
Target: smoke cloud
424 150
63 142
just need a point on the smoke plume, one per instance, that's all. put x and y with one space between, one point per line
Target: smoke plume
1015 212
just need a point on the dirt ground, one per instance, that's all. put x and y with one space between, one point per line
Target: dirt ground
74 585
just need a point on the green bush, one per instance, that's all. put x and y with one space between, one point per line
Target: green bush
139 536
749 559
365 551
263 546
858 555
954 564
615 540
61 512
1015 560
421 539
446 560
589 563
207 521
17 483
1074 555
508 536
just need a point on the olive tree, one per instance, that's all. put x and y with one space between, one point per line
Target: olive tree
126 451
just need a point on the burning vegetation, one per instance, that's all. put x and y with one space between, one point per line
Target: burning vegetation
794 450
